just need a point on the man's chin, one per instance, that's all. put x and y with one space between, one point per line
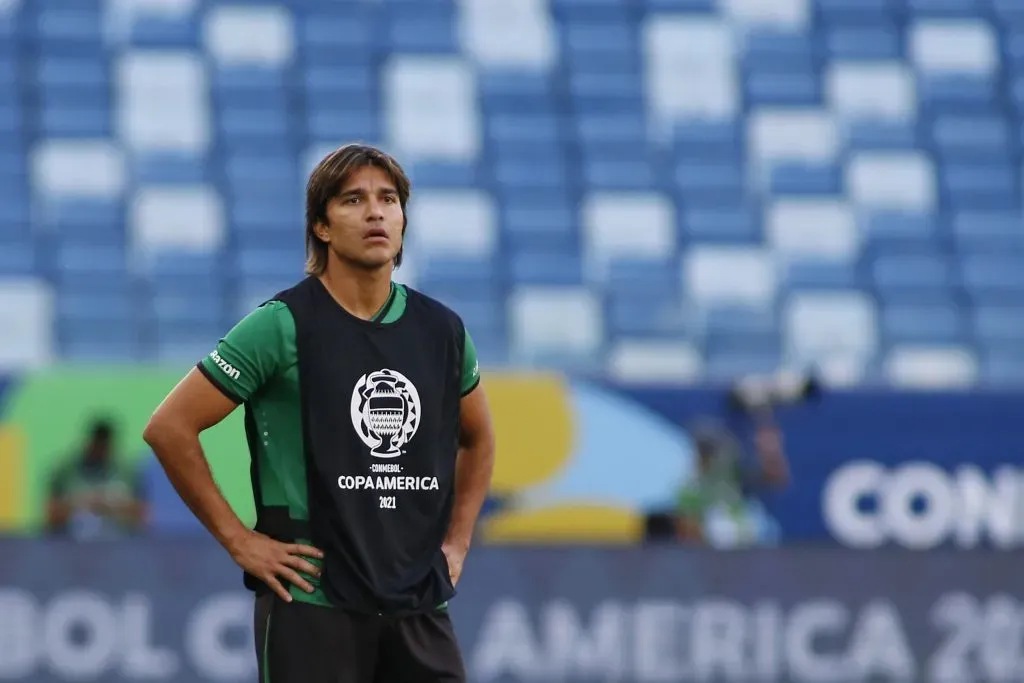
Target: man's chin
372 263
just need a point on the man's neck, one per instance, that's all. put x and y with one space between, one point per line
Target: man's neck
361 292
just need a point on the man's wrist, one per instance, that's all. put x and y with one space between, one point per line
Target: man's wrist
460 542
232 538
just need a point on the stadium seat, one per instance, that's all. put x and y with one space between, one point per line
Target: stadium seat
653 362
858 91
555 321
819 325
819 229
85 168
689 68
722 275
892 181
28 321
177 218
454 223
515 35
931 367
432 109
604 218
796 134
163 102
236 35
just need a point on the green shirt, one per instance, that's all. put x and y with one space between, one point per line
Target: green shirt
256 363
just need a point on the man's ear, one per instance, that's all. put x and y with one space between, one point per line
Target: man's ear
322 233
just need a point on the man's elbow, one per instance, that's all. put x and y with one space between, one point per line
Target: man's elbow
161 432
154 431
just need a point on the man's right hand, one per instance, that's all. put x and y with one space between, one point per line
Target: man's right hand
270 561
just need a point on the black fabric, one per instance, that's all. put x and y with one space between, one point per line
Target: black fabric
302 643
380 413
215 381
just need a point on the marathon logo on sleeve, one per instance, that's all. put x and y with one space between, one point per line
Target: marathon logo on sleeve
226 367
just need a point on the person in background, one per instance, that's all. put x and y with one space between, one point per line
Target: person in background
720 506
93 496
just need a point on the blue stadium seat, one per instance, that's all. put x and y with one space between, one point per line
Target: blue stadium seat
851 42
971 137
422 35
902 324
698 177
546 267
709 140
158 31
782 87
158 169
994 232
642 278
341 85
882 135
458 272
650 317
539 222
981 186
720 222
326 122
993 276
900 272
805 179
56 72
820 276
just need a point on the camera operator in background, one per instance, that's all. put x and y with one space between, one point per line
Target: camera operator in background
721 506
93 495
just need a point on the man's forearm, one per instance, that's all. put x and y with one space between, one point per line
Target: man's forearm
473 471
181 455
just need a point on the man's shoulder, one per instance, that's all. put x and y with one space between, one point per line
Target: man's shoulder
291 296
427 302
268 318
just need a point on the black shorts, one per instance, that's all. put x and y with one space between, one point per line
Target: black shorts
301 643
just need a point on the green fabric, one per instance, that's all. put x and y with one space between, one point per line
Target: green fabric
257 363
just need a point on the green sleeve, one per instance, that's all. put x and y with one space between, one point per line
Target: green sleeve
250 354
470 366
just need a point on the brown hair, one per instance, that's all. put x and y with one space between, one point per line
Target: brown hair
327 179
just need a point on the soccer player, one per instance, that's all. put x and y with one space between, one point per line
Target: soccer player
371 443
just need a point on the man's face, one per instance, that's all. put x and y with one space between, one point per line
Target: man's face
364 221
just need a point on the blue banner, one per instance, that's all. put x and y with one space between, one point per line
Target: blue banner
175 612
873 469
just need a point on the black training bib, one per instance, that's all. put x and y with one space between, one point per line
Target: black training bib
380 413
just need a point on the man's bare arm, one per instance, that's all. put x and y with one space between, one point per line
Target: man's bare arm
473 472
193 406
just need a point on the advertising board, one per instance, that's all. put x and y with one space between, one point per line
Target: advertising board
175 612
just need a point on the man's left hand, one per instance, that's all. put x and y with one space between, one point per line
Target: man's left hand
455 555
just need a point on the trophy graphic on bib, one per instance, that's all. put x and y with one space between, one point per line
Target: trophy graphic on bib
385 412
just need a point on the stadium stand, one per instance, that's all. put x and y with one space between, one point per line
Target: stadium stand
648 189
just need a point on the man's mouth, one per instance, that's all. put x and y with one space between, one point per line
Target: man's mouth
376 233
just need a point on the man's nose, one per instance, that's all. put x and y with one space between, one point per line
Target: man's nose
374 210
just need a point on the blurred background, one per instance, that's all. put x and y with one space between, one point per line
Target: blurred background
746 278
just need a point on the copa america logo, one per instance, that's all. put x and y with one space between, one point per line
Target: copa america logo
385 412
